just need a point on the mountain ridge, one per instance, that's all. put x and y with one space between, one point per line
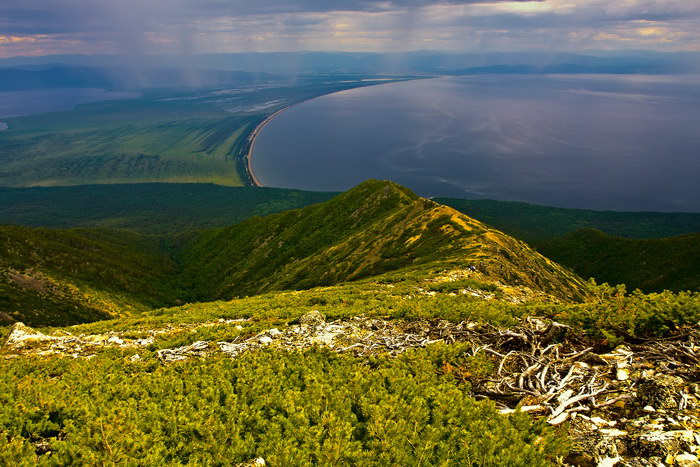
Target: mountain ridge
375 228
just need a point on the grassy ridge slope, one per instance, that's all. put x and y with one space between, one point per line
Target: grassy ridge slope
376 227
163 208
651 265
372 229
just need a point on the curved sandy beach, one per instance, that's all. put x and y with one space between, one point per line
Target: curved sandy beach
256 131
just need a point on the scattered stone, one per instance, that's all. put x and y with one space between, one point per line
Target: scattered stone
115 340
660 392
313 318
635 406
198 349
687 460
623 374
259 462
612 432
609 461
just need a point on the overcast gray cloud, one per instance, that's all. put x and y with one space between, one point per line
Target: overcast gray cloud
35 27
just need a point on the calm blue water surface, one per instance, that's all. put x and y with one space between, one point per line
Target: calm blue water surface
596 142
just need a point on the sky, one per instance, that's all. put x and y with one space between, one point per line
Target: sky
45 27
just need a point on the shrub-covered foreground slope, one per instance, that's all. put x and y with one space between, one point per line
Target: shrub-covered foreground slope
292 404
51 277
651 265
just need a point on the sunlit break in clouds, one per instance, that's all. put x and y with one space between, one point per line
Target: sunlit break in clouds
40 27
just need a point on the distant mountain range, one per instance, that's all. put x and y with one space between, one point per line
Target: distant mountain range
66 76
114 71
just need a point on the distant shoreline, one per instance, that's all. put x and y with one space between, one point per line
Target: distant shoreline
251 138
256 131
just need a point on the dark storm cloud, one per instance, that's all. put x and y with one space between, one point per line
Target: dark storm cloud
73 16
37 27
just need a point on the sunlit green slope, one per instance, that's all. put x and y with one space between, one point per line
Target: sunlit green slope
376 227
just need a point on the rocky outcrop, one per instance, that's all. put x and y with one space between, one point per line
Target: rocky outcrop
22 336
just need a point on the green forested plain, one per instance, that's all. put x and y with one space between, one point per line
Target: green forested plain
151 208
651 265
198 135
173 208
531 222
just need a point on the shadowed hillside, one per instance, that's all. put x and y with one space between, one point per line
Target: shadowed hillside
52 277
651 265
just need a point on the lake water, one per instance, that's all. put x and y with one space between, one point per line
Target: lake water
20 103
595 142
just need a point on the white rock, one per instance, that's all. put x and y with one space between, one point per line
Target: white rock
21 334
687 460
649 408
274 332
623 374
264 340
608 461
232 348
559 419
115 340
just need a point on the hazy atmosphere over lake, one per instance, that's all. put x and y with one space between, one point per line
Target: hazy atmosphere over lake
597 142
16 103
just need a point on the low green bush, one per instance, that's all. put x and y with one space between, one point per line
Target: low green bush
301 408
